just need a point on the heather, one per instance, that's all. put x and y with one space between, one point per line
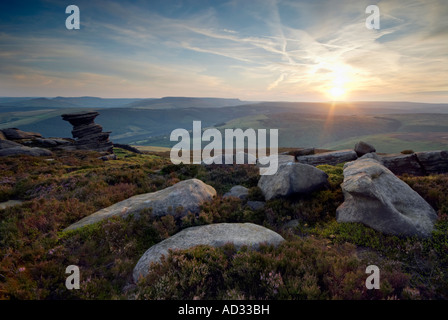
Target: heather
320 259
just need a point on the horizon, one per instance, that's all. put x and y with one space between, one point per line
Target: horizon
279 51
225 98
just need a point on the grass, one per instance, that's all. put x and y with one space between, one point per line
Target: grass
320 259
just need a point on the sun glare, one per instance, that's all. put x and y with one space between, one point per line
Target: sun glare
338 88
337 92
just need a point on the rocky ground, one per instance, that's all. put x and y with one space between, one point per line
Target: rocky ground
296 234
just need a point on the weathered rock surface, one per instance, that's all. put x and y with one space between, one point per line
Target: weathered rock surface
2 136
215 235
292 178
331 158
256 205
179 199
237 192
375 197
5 144
88 135
52 142
16 134
362 148
22 150
433 162
403 163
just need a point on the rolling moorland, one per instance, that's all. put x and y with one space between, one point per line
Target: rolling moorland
390 126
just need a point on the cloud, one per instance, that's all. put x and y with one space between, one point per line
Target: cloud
290 50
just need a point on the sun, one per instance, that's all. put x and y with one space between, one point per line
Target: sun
337 92
340 79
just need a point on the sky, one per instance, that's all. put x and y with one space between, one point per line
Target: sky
271 50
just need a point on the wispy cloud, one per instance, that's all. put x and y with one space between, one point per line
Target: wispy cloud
275 50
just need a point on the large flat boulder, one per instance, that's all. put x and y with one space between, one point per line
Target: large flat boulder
403 163
433 162
215 235
16 134
331 158
292 178
179 199
5 144
22 150
377 198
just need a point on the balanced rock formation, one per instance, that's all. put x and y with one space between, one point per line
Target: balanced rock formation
292 178
88 134
237 192
331 158
362 148
375 197
179 199
215 235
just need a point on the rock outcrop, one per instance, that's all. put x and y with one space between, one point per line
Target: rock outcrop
403 163
331 158
12 148
88 134
17 134
433 162
22 150
237 192
292 178
215 235
375 197
179 199
420 163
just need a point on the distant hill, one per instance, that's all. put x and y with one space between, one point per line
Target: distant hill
388 125
63 102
